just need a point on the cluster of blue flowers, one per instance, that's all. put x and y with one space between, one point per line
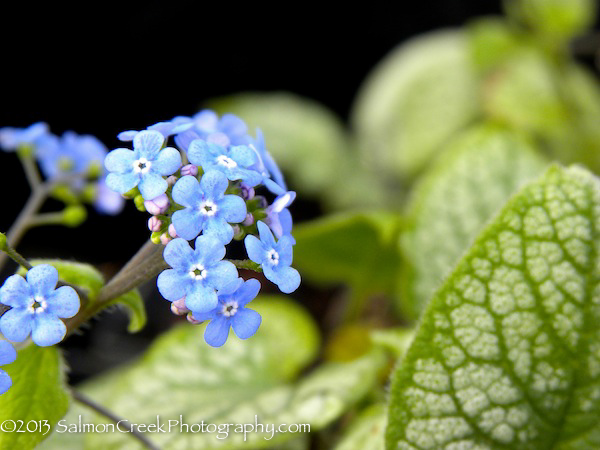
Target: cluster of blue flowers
75 160
36 309
205 191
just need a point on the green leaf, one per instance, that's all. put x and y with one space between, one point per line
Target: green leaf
473 179
557 21
415 99
181 375
355 248
492 40
507 353
367 431
38 396
136 310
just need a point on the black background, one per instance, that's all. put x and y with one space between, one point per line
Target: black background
103 68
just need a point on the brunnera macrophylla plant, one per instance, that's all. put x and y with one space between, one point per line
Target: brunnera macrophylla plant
214 185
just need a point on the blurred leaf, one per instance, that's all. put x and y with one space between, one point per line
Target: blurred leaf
473 179
355 248
414 100
135 308
367 431
181 375
506 355
524 92
557 21
348 342
492 40
397 340
38 394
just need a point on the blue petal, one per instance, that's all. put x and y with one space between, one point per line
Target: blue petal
183 140
217 331
15 324
273 187
233 208
15 292
249 176
179 255
283 201
234 127
201 298
148 143
63 302
8 354
201 317
221 274
245 323
188 223
186 191
206 120
173 285
5 382
218 227
47 330
120 160
230 288
122 183
265 234
286 278
127 136
243 155
247 292
108 201
285 219
255 249
209 249
152 185
214 184
168 161
42 279
200 152
285 250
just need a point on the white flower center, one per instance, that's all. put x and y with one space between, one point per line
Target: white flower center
226 161
38 305
141 165
273 257
208 208
198 272
229 308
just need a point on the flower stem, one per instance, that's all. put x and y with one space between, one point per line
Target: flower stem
85 400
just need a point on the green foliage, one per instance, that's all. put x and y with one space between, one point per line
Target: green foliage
473 179
134 306
417 98
38 397
367 431
506 355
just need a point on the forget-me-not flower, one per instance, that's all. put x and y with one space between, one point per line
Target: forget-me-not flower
274 257
36 306
12 138
145 165
7 356
197 273
207 208
235 161
232 312
227 130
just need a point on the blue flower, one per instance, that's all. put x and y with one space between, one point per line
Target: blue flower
13 138
226 131
266 165
176 125
144 166
197 273
7 356
231 312
278 217
207 208
36 306
70 154
274 257
234 162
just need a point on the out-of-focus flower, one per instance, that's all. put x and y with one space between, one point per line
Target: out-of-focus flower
12 138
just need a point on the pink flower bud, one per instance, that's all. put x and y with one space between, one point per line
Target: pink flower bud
193 321
247 192
190 169
172 231
154 224
249 220
172 180
158 205
165 239
178 307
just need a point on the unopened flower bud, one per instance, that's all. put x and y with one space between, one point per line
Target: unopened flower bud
154 223
178 307
249 220
172 180
193 321
172 231
165 239
139 203
238 233
158 205
190 169
74 215
247 192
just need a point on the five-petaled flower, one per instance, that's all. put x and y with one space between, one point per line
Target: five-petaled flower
232 312
207 208
7 356
13 138
145 165
274 257
197 273
36 306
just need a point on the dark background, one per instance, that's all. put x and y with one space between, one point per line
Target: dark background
101 69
